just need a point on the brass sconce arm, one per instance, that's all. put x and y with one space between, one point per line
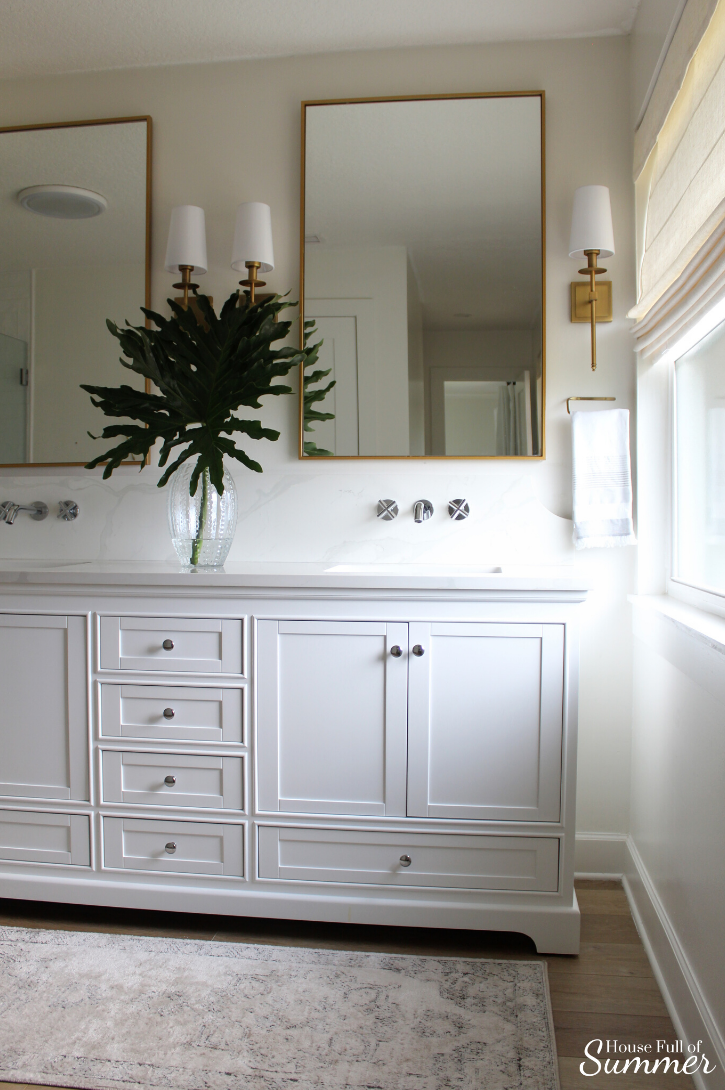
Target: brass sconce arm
251 282
592 271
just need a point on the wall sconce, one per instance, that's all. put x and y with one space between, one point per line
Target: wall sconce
591 237
252 249
186 249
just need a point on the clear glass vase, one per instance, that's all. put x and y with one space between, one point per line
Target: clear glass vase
202 526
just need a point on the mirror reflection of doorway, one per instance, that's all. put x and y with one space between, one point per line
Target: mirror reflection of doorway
477 411
13 398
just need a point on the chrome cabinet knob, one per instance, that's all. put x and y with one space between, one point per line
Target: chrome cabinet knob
168 713
169 780
168 645
418 650
396 651
170 848
405 860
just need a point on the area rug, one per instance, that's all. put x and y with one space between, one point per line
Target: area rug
80 1009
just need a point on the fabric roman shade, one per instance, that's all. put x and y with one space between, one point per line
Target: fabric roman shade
681 186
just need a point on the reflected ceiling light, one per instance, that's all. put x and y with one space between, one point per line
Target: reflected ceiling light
591 237
62 202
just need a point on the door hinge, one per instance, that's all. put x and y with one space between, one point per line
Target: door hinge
23 376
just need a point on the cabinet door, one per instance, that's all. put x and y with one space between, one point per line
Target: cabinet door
44 720
331 717
485 721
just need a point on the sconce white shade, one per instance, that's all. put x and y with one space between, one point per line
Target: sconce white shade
187 239
253 236
591 222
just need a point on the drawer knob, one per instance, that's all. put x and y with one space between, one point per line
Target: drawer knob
395 651
168 713
170 848
169 780
418 650
168 645
405 860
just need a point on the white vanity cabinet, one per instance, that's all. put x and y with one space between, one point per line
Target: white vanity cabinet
43 707
459 720
297 744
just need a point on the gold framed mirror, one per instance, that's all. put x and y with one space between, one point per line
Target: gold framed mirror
422 265
75 249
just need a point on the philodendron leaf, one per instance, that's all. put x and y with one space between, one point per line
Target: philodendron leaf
203 372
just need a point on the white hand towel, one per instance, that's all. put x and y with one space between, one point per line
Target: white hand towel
602 479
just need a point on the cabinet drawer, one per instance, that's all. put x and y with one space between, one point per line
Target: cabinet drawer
171 713
141 778
437 859
198 847
193 644
45 838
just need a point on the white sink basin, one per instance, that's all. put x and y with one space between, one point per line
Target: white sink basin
452 570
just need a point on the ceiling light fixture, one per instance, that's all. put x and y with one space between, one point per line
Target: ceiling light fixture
62 202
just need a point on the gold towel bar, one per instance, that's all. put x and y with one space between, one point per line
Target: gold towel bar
586 399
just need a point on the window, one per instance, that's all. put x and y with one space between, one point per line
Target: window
699 515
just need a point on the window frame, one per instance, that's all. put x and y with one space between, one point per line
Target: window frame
706 598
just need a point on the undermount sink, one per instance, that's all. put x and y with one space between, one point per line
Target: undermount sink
412 569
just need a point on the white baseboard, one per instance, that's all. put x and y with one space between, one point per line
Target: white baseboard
692 1018
600 855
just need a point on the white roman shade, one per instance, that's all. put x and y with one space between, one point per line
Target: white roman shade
682 187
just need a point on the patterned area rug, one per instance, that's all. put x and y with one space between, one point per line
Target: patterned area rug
93 1010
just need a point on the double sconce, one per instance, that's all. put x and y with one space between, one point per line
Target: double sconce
591 237
252 248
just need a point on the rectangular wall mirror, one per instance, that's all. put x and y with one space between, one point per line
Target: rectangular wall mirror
423 268
74 250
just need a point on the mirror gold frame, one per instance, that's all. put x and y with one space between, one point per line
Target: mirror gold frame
147 262
418 98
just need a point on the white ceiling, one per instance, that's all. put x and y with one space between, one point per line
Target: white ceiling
46 37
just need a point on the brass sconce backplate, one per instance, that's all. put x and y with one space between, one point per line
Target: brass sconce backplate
580 311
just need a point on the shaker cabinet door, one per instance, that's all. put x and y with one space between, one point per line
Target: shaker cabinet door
485 721
331 717
44 720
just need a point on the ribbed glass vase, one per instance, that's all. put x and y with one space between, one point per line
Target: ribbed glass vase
202 526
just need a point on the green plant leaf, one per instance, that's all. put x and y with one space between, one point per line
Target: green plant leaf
203 372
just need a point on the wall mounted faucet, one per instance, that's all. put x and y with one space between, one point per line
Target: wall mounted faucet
68 510
422 510
9 511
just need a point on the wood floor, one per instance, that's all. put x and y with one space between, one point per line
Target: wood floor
607 992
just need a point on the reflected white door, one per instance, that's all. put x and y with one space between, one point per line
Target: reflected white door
13 398
485 721
338 354
331 716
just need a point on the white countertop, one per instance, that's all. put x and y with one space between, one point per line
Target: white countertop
298 575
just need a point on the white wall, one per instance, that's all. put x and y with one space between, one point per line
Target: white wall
676 867
230 132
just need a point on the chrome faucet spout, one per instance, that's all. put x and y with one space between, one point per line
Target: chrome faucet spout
422 510
9 511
